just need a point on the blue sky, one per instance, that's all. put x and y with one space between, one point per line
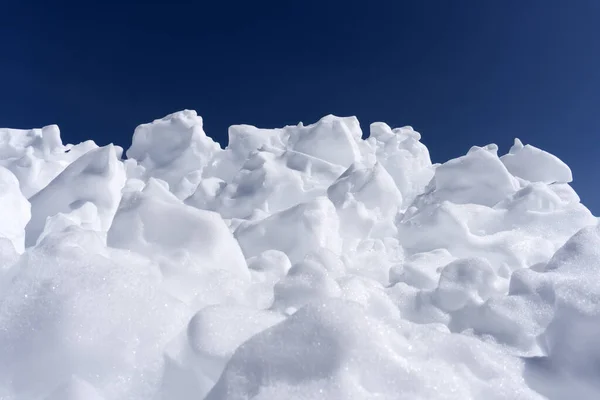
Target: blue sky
462 72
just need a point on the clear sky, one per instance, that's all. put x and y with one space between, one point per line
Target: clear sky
462 72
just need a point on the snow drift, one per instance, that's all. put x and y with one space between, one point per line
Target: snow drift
298 263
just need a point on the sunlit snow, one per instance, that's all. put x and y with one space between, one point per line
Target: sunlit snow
297 263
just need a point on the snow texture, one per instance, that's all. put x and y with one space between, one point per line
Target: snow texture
297 263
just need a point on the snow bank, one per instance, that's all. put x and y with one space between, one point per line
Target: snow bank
301 262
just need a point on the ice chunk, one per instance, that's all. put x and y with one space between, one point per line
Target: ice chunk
535 165
205 194
478 177
539 210
536 197
271 181
37 156
202 262
15 210
96 177
85 217
171 147
14 141
341 133
524 229
372 186
404 157
366 199
295 231
243 141
192 246
331 132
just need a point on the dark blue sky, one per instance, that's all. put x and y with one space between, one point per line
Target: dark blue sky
462 73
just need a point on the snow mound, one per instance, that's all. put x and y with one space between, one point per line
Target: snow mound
300 262
323 350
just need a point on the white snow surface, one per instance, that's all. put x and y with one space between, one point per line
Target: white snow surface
297 263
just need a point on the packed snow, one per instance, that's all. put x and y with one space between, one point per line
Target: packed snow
297 263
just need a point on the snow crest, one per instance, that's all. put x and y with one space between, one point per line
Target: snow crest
300 263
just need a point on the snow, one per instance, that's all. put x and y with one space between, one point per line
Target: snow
15 210
302 262
535 165
172 147
37 156
323 351
95 177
